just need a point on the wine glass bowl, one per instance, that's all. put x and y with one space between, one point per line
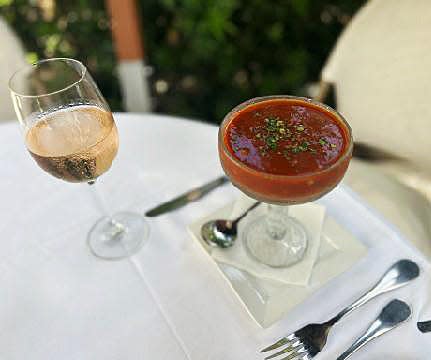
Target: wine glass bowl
68 126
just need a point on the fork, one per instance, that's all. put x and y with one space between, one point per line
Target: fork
307 342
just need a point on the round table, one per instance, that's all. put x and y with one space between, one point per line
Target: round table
169 301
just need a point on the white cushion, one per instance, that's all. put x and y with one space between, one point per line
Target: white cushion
11 59
381 68
406 208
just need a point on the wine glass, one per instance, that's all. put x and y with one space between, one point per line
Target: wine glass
69 131
276 239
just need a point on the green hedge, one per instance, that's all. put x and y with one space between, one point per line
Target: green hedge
206 55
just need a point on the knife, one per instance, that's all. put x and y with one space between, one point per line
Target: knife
183 199
424 326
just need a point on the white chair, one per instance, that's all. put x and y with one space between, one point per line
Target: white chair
11 59
381 70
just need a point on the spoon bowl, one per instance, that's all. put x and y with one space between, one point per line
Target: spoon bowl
222 233
216 233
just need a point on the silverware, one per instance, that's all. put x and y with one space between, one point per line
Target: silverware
183 199
424 326
392 315
222 233
307 342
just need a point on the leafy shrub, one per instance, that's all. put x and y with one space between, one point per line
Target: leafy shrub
206 55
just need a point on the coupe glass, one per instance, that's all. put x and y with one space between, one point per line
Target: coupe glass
69 130
276 239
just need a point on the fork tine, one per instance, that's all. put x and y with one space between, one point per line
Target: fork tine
289 349
283 341
276 345
289 357
297 355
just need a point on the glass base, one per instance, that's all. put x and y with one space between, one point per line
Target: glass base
118 237
276 251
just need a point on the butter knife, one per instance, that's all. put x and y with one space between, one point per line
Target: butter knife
183 199
424 326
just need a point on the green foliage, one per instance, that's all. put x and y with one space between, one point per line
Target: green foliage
207 55
217 53
76 29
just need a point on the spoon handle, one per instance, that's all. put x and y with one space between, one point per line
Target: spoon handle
244 214
363 340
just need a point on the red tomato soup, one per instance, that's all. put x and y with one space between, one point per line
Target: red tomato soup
285 150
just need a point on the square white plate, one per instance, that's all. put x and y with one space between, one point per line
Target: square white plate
267 301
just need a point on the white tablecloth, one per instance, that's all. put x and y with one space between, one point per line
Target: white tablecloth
169 301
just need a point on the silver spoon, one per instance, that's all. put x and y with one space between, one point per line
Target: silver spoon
222 233
393 314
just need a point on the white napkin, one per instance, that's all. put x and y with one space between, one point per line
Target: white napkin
310 215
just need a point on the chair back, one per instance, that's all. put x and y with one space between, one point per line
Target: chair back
381 69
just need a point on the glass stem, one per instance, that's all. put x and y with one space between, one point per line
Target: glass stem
275 225
103 208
